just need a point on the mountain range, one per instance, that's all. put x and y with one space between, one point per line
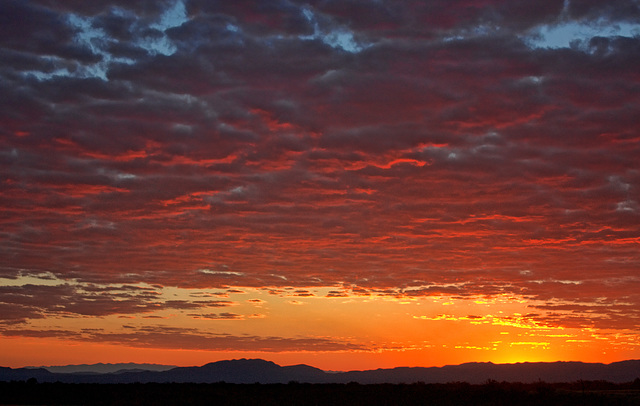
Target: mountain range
101 368
261 371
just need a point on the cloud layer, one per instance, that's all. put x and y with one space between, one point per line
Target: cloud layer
384 148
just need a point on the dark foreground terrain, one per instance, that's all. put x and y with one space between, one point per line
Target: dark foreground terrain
583 393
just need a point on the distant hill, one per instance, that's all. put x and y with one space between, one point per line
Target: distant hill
106 368
261 371
625 371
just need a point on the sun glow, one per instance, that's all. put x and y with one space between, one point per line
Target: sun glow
366 327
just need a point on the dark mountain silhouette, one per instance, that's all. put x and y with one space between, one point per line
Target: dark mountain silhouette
23 374
261 371
101 368
243 371
527 372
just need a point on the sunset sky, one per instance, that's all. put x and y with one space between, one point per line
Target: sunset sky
348 184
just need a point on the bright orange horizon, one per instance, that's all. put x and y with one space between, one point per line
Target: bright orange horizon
345 184
47 352
369 333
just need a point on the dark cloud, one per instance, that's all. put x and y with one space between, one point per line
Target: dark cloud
257 17
38 301
618 10
27 28
192 339
217 316
145 8
517 15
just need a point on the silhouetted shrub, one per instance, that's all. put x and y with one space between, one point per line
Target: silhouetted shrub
294 393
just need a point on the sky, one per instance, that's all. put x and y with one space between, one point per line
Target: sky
348 184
